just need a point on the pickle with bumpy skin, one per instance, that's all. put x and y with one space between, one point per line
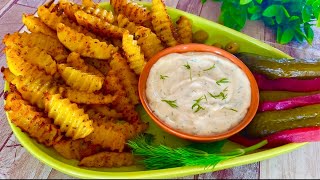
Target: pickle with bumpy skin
280 95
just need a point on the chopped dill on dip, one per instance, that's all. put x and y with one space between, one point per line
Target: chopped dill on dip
212 95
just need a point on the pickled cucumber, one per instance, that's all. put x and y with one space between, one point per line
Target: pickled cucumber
267 123
281 68
280 95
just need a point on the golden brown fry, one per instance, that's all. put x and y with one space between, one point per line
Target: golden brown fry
84 45
148 41
136 13
121 103
89 3
51 45
162 23
76 149
104 110
35 56
98 26
133 53
7 74
35 25
106 137
70 10
68 116
30 120
184 28
108 159
126 76
85 97
100 65
79 80
124 22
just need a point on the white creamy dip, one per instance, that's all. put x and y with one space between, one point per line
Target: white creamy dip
218 90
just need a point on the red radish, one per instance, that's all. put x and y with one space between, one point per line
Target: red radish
289 103
298 135
287 84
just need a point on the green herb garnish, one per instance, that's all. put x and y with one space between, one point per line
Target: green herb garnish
233 109
197 105
213 66
223 80
161 156
171 103
222 94
163 77
189 68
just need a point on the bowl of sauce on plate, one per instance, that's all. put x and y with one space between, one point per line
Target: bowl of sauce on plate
198 92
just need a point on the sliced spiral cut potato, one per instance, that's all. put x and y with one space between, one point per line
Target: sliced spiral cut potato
184 30
101 65
121 103
35 56
106 137
26 117
35 25
127 77
97 110
76 149
7 74
162 23
80 80
51 45
136 13
68 116
84 45
108 159
148 41
98 26
82 97
124 22
71 8
133 53
89 3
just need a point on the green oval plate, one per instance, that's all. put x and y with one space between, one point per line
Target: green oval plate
217 33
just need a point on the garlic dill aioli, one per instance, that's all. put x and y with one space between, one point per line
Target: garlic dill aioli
198 93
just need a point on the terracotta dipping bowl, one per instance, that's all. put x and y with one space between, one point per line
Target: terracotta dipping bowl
200 48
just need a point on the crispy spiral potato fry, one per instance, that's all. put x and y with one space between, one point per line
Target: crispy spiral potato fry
71 8
76 149
103 110
31 121
35 25
101 65
129 130
89 3
7 74
84 45
184 28
106 137
126 76
35 56
51 45
124 22
79 80
121 103
68 116
85 97
136 13
108 159
148 41
133 53
98 26
162 23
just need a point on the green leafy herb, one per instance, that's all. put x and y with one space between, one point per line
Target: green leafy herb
285 17
223 80
197 103
213 66
189 68
163 77
233 109
161 156
222 94
171 103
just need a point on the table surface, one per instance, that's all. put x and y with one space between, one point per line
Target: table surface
16 162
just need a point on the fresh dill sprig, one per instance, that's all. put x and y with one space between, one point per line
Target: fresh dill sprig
233 109
197 105
171 103
213 66
161 156
223 95
163 77
223 80
187 66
